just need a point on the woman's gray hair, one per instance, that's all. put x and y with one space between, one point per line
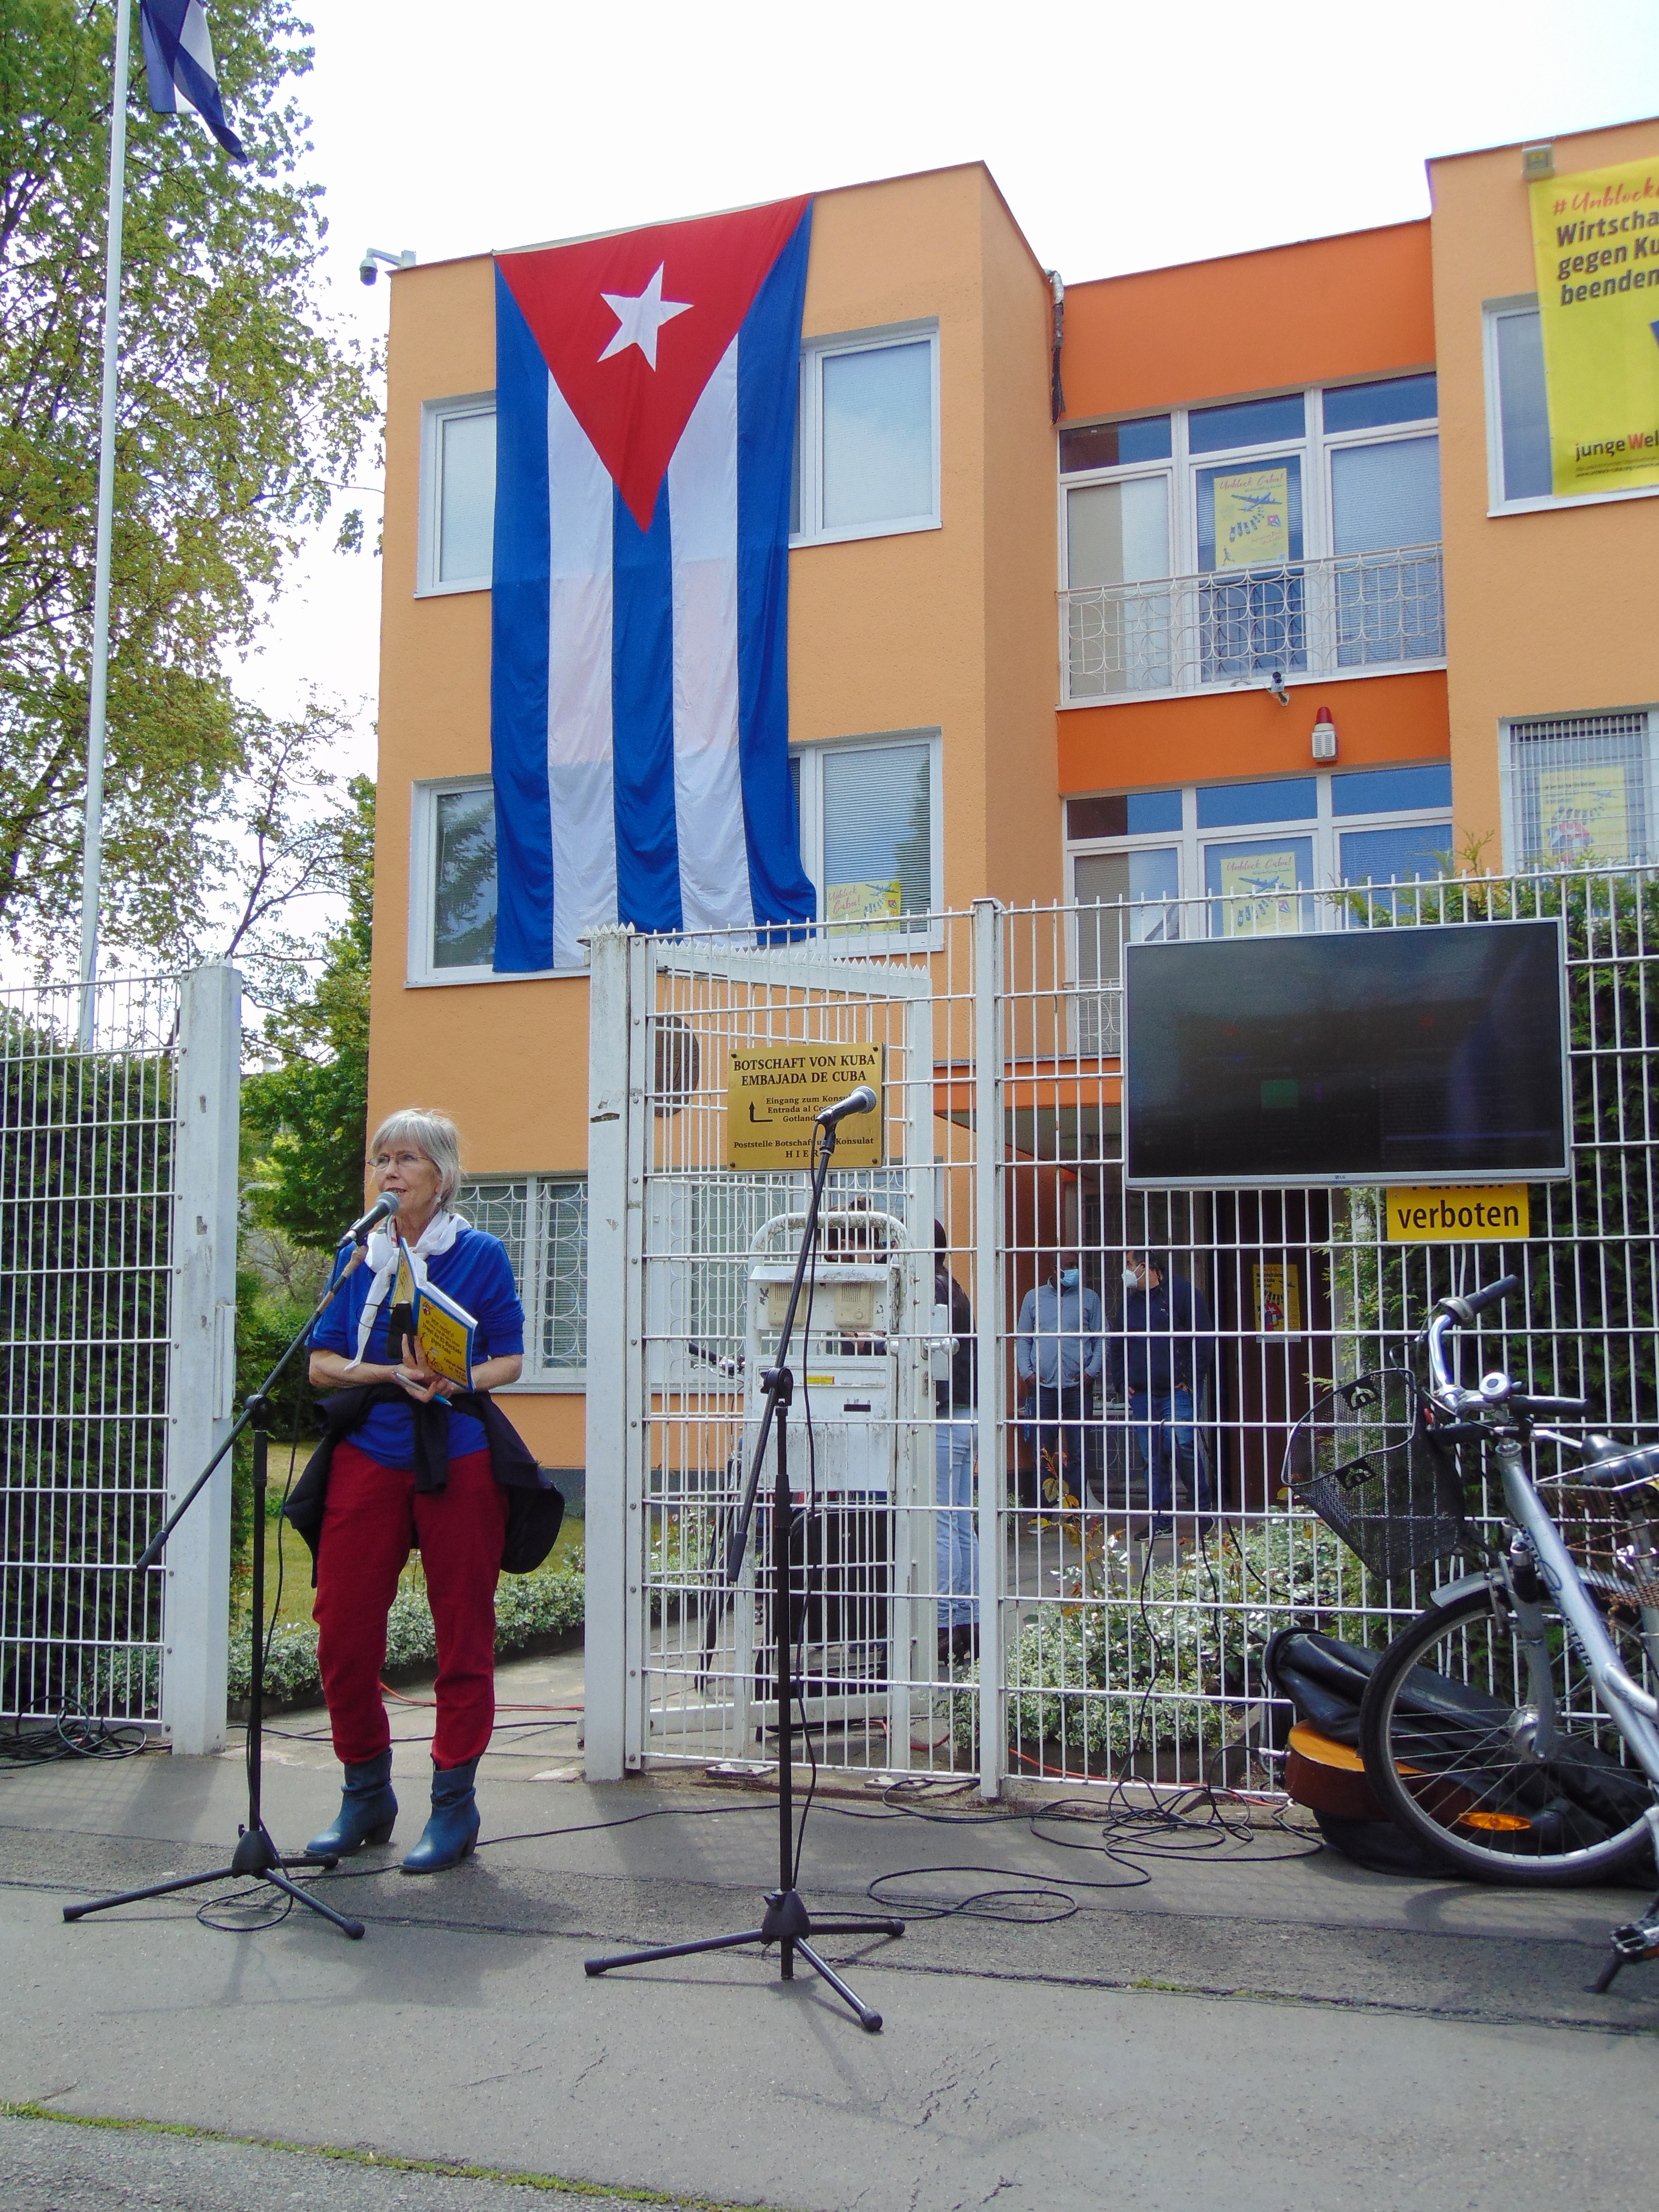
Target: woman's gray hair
432 1133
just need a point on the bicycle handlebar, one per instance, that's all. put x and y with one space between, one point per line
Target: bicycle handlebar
1465 1309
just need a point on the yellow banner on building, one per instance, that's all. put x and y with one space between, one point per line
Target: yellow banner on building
1462 1213
774 1094
1253 519
1596 243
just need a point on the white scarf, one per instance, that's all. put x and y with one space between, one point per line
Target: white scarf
383 1248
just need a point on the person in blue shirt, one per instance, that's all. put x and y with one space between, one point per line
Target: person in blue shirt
1166 1348
1057 1360
412 1471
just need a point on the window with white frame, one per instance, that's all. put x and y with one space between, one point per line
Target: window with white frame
1243 859
543 1221
1579 789
458 494
866 443
452 919
1296 534
1518 463
870 815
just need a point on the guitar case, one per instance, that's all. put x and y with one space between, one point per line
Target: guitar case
1324 1680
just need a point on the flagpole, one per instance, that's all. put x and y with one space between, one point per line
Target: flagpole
92 838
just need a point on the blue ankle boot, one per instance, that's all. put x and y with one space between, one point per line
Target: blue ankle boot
452 1830
367 1809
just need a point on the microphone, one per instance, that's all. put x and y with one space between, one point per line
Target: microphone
382 1210
861 1101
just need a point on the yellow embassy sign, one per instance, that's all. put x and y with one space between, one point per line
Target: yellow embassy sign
1595 247
773 1097
1466 1213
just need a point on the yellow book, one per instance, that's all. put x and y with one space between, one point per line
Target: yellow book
446 1333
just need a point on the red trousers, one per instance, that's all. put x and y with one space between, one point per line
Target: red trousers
374 1519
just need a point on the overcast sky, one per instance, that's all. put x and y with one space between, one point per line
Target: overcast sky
1122 138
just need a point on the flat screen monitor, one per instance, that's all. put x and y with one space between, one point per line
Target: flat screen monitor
1388 1055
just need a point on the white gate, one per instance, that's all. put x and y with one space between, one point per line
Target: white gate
691 1253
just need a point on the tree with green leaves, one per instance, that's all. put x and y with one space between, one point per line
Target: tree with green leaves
309 1113
241 410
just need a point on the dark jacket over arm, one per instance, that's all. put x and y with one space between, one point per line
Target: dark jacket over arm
1166 1340
535 1507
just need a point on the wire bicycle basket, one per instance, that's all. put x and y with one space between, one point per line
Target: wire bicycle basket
1611 1533
1365 1459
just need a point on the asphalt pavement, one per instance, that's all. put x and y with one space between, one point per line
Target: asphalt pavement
1149 2018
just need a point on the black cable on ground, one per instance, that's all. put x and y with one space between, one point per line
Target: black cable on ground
72 1736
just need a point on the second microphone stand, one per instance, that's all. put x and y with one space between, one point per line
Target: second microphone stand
786 1920
256 1856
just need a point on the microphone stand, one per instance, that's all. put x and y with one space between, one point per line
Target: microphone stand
786 1921
256 1856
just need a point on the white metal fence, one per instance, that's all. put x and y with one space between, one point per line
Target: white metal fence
117 1211
1307 618
974 1589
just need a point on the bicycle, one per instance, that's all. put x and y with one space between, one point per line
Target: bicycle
1504 1729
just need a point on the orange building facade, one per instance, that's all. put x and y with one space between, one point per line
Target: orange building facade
1267 606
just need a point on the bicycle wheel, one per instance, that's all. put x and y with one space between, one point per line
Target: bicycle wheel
1448 1734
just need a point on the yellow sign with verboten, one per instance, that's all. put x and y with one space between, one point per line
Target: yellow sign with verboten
774 1094
1596 245
1462 1213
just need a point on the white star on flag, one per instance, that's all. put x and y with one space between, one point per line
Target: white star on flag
638 321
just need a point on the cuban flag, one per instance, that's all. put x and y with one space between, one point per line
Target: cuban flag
178 55
646 392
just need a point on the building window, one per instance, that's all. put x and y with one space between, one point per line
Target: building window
542 1222
1518 411
452 881
1297 534
866 451
458 494
870 816
1579 789
1245 859
1520 473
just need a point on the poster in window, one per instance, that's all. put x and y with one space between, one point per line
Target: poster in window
1253 519
1277 1298
1582 814
1257 893
1595 247
863 901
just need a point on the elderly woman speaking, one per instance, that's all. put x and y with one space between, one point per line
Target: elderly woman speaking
401 1468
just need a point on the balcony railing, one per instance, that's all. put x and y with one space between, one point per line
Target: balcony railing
1310 618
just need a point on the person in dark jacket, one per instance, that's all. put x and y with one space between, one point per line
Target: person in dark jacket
414 1472
1165 1349
954 1404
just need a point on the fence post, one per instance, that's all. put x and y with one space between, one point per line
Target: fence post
604 1533
989 1303
202 1355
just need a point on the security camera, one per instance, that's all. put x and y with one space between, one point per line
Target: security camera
366 269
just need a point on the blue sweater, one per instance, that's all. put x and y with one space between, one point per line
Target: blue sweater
476 1272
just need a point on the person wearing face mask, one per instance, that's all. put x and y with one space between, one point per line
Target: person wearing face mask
1057 1358
1166 1348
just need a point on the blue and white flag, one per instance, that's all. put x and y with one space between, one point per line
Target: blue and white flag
645 393
178 55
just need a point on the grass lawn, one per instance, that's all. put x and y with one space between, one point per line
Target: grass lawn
296 1591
